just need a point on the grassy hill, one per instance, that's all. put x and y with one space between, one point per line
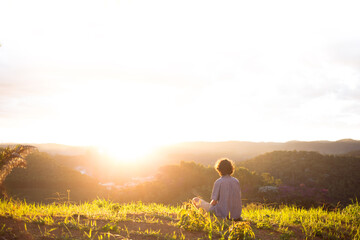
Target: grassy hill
77 216
101 219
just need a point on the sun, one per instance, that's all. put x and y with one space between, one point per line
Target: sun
127 152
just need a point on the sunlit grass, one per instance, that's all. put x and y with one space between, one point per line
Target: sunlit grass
99 218
102 219
314 222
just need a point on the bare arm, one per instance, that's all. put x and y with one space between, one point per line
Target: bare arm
213 202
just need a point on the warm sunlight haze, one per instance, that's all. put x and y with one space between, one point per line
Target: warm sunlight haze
190 119
127 152
129 76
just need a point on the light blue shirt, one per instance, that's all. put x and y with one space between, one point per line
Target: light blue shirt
227 192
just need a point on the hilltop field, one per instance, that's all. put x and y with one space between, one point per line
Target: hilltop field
102 219
286 195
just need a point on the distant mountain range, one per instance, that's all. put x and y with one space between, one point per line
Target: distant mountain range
54 148
209 152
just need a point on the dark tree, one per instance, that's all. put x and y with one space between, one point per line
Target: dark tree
10 158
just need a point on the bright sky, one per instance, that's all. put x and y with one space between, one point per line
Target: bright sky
143 73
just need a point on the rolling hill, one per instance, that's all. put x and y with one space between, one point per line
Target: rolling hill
310 172
44 180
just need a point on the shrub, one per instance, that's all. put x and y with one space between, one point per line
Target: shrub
241 230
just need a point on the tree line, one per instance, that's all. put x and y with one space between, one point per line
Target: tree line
311 175
178 183
300 177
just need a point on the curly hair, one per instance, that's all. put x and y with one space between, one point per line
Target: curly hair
224 166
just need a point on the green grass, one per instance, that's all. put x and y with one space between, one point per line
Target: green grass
314 222
102 219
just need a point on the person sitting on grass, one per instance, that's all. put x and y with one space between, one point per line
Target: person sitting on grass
226 193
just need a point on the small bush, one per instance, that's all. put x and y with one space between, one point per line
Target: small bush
192 219
241 230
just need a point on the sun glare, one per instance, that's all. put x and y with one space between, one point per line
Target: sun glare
127 153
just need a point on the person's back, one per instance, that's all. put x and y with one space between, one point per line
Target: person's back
227 193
